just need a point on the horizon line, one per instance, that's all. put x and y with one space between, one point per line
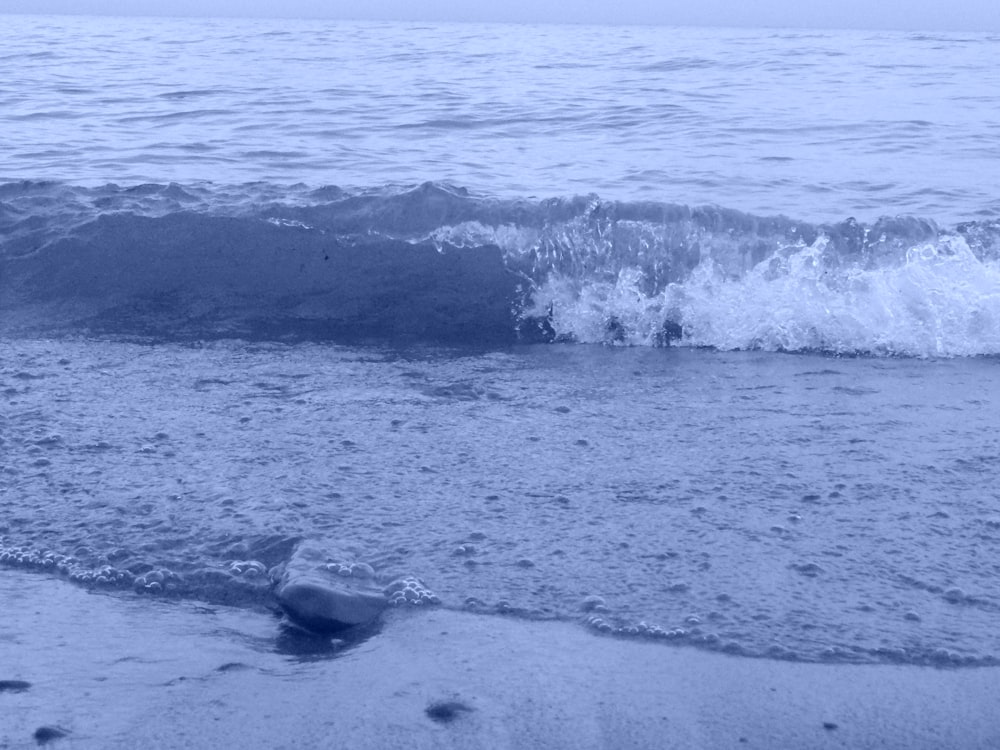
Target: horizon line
494 22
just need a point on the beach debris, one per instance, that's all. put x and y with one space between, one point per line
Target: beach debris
45 735
326 596
445 712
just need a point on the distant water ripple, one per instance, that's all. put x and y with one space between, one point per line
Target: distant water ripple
817 126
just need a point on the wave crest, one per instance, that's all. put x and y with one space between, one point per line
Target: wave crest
438 262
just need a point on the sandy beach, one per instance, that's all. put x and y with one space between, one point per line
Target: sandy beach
114 672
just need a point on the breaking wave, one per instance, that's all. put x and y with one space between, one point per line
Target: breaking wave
440 263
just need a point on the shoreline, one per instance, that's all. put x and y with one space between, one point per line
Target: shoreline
116 672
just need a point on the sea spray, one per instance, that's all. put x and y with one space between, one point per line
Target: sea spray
440 263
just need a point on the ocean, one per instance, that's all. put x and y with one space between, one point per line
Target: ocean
687 335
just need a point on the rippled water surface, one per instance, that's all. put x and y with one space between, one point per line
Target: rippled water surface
796 506
814 125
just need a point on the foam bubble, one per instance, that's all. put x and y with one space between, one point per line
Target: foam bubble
247 568
594 603
409 590
936 299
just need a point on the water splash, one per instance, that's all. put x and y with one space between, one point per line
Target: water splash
437 262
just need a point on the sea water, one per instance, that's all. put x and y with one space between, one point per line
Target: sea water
687 334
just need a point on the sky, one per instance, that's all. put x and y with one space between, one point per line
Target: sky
930 15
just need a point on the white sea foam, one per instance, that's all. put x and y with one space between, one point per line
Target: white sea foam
941 300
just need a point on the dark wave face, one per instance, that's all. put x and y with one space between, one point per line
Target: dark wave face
438 263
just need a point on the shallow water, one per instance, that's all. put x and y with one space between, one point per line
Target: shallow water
200 373
797 506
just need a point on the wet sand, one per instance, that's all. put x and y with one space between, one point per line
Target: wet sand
121 672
